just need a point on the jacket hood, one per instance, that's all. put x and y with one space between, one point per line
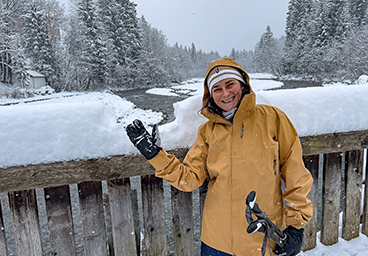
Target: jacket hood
222 62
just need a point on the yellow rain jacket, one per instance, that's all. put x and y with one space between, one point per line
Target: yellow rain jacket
255 152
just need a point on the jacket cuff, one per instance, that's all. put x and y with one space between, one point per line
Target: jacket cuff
296 221
161 160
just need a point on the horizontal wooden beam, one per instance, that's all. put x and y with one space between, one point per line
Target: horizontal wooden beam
116 167
334 142
73 172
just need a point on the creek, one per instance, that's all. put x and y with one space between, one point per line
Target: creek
164 103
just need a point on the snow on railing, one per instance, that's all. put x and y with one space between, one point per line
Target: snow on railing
112 214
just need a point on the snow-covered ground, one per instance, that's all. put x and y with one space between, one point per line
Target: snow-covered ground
67 126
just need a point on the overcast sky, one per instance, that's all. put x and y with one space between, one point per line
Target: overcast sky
216 25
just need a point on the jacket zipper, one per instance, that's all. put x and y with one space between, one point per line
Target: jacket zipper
275 161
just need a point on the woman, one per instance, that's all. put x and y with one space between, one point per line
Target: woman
242 147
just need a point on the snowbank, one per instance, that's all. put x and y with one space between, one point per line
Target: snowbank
62 129
319 110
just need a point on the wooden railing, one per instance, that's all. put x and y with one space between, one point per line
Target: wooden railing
114 223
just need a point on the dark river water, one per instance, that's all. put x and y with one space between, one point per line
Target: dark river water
164 103
158 103
143 100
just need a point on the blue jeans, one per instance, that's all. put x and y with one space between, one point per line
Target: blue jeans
209 251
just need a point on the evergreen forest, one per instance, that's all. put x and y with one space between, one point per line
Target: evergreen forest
102 44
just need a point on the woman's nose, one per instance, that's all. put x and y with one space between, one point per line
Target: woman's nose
226 92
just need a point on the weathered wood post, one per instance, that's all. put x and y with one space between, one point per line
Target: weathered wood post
331 198
93 218
122 218
26 223
353 194
183 224
310 232
60 221
154 215
3 244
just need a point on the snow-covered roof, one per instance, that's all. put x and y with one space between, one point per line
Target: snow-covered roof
34 74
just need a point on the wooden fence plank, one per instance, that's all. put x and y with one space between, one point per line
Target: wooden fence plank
26 224
154 215
108 222
93 218
183 225
310 230
60 221
3 244
122 217
136 219
331 198
365 209
107 210
353 195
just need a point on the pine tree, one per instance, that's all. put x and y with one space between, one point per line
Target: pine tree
120 31
267 55
54 14
336 28
109 20
358 12
154 62
93 53
336 21
193 53
234 54
298 20
246 59
73 72
5 44
132 41
38 43
12 59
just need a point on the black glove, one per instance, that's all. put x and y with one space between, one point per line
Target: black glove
142 140
293 242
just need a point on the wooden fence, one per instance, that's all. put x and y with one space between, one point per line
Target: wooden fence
113 225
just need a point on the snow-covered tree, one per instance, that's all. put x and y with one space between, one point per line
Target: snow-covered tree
12 59
119 30
336 21
73 71
356 54
193 52
38 43
93 51
300 14
267 54
358 12
154 57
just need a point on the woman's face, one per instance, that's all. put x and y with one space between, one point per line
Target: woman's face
227 93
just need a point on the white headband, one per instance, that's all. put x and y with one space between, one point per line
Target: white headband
223 74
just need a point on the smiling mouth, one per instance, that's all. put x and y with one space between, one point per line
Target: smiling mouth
230 100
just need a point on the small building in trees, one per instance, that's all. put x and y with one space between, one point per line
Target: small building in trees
34 80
